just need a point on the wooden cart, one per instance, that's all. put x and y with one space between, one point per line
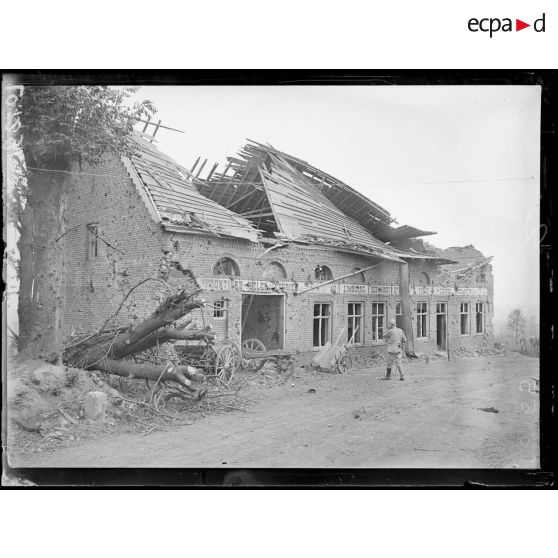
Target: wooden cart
334 357
221 360
254 361
255 355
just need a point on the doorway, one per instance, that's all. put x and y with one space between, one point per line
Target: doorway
441 325
263 318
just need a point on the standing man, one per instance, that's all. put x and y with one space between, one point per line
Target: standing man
395 339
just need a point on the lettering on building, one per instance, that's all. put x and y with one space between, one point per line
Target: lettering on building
215 284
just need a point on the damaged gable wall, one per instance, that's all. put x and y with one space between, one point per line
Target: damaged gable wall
105 196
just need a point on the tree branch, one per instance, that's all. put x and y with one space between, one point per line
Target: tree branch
184 375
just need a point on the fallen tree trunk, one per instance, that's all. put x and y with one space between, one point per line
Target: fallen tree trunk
106 350
184 375
169 311
167 335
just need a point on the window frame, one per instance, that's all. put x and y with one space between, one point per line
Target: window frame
467 314
233 264
376 336
321 318
399 314
223 310
357 319
422 320
481 313
318 271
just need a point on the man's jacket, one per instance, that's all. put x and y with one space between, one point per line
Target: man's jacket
395 338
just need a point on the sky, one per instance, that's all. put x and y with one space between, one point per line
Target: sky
459 160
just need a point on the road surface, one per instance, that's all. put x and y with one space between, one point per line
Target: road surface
432 419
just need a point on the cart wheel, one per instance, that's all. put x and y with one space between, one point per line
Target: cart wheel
252 365
253 344
227 361
237 352
344 364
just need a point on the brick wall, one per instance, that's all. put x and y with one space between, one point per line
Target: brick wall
96 285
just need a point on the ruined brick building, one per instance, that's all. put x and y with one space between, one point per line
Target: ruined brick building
285 253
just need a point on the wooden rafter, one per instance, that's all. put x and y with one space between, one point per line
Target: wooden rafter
251 193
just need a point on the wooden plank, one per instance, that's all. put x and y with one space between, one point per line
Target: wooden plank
201 168
212 171
155 131
241 198
256 213
338 278
227 186
246 317
277 221
189 200
326 215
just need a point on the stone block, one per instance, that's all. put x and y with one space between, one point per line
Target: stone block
95 406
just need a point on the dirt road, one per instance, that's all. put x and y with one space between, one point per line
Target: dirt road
433 419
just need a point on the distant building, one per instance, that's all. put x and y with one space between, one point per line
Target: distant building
285 253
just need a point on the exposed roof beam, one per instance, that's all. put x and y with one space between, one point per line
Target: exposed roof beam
201 168
230 181
212 171
241 198
256 213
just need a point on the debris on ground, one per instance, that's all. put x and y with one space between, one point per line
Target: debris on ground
50 407
46 403
359 412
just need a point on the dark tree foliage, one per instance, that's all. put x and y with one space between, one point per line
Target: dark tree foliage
63 124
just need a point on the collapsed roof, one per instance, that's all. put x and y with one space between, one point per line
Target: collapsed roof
289 200
265 196
169 192
242 186
466 258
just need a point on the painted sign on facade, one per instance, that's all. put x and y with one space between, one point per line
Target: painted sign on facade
477 291
449 291
218 284
344 289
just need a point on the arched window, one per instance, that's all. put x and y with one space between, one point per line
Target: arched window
226 266
357 278
274 271
423 278
323 273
